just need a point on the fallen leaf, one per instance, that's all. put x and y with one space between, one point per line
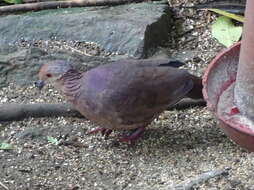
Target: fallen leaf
5 146
236 17
53 140
225 31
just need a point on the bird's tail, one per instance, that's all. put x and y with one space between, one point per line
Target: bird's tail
196 91
174 63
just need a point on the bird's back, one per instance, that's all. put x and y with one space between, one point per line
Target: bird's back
130 94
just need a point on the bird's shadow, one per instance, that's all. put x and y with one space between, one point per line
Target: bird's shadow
177 140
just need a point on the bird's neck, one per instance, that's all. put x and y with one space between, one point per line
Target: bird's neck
70 84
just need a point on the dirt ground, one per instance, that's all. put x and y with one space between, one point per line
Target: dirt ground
176 148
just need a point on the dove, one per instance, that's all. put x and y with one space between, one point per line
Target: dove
127 94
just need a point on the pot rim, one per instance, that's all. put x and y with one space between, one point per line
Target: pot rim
237 126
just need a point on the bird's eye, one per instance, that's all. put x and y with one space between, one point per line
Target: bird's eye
48 75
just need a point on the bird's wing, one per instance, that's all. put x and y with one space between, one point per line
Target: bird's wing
139 92
152 62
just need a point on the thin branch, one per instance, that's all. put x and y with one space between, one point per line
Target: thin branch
4 186
35 1
74 50
63 4
188 185
188 103
16 112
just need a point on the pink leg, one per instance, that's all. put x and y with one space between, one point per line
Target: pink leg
104 132
134 136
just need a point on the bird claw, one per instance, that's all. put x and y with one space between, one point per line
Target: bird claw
133 137
104 132
130 139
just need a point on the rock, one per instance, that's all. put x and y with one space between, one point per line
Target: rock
134 29
130 30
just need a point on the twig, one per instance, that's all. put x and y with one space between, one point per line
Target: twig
188 185
63 4
4 186
188 103
73 49
16 112
34 1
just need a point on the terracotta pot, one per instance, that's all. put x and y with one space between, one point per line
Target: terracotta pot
219 78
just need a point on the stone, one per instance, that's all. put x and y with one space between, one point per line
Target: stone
134 29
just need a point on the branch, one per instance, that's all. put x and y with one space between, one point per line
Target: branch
16 112
188 185
35 1
63 4
5 187
188 103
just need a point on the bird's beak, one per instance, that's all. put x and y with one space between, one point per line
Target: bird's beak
39 84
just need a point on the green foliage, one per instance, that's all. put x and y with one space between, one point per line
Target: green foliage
238 18
13 1
53 140
225 31
5 146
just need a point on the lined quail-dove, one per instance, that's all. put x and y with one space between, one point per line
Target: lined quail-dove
125 95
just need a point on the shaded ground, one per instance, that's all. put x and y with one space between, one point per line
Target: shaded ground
176 147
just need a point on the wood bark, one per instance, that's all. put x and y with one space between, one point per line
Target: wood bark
62 4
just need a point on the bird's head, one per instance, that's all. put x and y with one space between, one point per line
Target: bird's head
51 72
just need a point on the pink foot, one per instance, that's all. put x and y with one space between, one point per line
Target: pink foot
133 137
104 132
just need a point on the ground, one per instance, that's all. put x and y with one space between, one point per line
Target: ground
176 147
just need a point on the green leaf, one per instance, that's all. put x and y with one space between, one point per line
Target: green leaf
17 1
13 1
5 146
239 18
53 140
225 31
8 1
